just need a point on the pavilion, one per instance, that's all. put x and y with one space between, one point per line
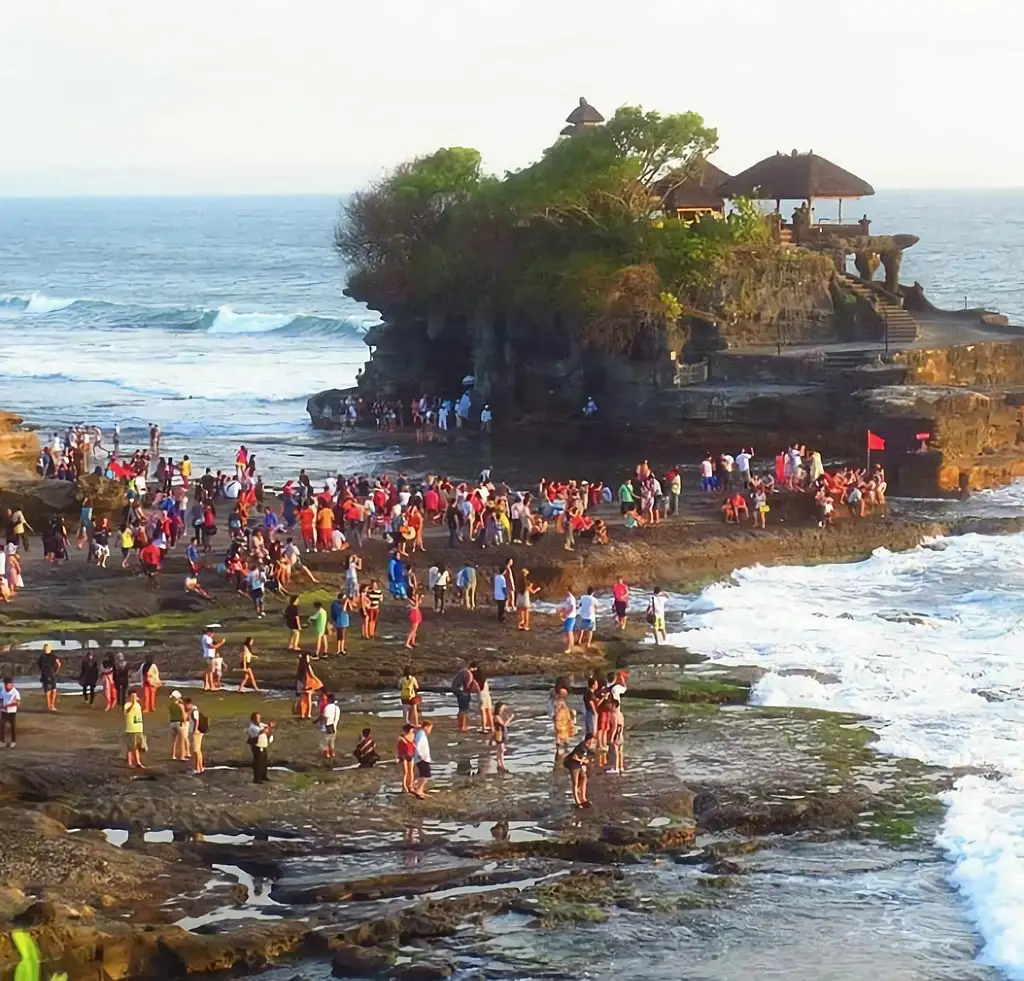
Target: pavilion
800 177
693 195
582 118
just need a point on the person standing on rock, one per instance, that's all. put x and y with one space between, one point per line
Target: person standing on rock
49 668
246 659
293 623
422 759
88 676
177 717
107 679
568 613
197 727
463 686
122 677
576 763
10 699
260 734
318 621
328 726
134 731
620 601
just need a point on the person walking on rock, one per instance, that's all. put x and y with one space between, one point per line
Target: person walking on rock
10 699
49 668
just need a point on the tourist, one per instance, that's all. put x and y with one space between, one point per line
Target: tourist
576 763
486 419
256 581
422 759
499 734
465 581
330 715
49 668
149 677
318 621
463 686
246 658
411 698
10 699
562 720
567 611
405 753
209 646
352 569
134 731
615 735
591 704
339 619
293 623
374 597
483 687
439 587
587 618
122 678
500 594
707 474
656 615
150 557
259 736
306 683
524 598
620 601
761 508
197 726
178 719
88 676
107 681
365 752
20 529
415 619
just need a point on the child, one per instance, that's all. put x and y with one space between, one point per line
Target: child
618 726
411 697
576 763
366 750
499 733
216 671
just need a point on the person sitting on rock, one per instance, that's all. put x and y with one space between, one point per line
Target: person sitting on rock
365 752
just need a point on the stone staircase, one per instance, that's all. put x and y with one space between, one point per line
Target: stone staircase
901 329
844 360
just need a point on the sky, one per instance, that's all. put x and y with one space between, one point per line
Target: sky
320 96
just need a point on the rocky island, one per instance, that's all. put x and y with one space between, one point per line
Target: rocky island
624 266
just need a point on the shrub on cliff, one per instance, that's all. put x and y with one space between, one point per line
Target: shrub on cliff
577 241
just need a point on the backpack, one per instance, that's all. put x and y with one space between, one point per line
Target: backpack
203 723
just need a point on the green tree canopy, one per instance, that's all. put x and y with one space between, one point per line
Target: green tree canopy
578 237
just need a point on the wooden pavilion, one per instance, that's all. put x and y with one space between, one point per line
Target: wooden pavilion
688 196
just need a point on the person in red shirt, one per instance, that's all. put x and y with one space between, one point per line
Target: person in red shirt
620 601
241 461
149 558
306 524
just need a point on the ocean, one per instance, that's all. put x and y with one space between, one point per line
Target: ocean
216 318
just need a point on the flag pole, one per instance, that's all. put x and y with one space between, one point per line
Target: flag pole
869 452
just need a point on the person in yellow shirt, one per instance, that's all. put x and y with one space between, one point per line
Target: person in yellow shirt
411 698
127 545
134 734
185 468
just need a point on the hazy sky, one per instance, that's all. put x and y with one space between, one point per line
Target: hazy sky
150 96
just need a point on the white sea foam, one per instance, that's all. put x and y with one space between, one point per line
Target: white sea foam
229 322
927 644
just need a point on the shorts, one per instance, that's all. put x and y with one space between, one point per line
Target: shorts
48 684
620 609
587 625
423 770
625 506
135 741
463 700
327 739
659 624
569 625
176 728
257 595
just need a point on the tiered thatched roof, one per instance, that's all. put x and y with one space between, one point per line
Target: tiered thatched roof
700 190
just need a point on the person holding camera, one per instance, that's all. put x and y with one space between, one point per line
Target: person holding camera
261 735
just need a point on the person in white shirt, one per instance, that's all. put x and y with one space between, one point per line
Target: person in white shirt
260 735
486 419
707 474
568 611
743 459
422 759
209 645
10 699
500 594
657 611
328 726
587 618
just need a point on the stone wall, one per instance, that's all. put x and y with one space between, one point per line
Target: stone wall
991 363
18 447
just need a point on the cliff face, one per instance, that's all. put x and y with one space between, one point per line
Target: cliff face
525 367
19 448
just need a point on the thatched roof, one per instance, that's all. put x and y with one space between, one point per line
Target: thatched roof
584 114
795 177
697 191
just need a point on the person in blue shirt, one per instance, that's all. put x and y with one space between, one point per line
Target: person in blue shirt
340 620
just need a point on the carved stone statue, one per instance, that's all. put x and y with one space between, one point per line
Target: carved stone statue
867 264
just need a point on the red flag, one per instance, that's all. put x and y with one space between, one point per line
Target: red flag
875 442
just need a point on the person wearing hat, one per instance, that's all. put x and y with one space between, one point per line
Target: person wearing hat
178 716
486 419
